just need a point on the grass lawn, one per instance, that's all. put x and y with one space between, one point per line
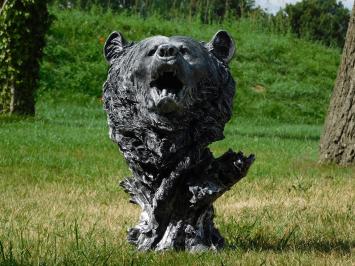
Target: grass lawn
59 197
60 203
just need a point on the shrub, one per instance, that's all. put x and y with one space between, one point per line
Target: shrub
206 10
322 20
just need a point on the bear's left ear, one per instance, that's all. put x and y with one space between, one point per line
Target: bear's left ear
222 46
114 45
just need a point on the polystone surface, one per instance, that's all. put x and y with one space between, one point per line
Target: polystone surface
167 99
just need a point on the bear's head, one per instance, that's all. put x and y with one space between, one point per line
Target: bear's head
170 74
168 84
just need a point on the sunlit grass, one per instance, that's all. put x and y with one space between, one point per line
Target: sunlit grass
59 197
60 202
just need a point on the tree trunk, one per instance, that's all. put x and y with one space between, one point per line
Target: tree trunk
23 25
338 141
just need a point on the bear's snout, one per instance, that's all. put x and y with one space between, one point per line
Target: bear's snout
167 52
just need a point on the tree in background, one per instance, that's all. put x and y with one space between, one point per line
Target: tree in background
338 140
207 10
23 24
217 10
323 20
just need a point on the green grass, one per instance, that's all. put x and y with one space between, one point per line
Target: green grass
60 203
59 197
279 77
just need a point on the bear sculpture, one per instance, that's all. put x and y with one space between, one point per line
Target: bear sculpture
167 99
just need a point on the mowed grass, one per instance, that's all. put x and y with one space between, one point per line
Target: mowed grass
60 202
59 197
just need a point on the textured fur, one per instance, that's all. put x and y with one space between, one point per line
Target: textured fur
166 100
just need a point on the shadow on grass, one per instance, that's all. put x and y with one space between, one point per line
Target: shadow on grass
340 246
242 240
6 119
280 135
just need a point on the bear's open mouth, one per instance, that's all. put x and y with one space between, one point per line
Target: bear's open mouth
169 81
166 89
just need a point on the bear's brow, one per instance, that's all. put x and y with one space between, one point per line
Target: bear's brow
157 40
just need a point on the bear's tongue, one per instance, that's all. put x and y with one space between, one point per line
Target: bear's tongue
167 105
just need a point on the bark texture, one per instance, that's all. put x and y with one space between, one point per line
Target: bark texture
338 141
23 25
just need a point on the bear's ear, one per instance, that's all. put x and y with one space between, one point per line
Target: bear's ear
222 46
114 45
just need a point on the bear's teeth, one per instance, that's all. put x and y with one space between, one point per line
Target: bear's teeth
164 92
154 94
151 104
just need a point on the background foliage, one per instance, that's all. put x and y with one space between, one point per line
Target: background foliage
322 20
23 25
278 76
206 10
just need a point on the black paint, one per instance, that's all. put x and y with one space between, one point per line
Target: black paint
167 99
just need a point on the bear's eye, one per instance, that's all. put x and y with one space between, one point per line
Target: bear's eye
152 51
183 50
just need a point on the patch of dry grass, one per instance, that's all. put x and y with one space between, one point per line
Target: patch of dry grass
60 202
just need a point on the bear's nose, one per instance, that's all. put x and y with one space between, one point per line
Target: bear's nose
167 50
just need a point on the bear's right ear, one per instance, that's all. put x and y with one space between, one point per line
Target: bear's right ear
222 46
114 45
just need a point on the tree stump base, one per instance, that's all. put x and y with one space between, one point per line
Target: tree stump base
179 213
